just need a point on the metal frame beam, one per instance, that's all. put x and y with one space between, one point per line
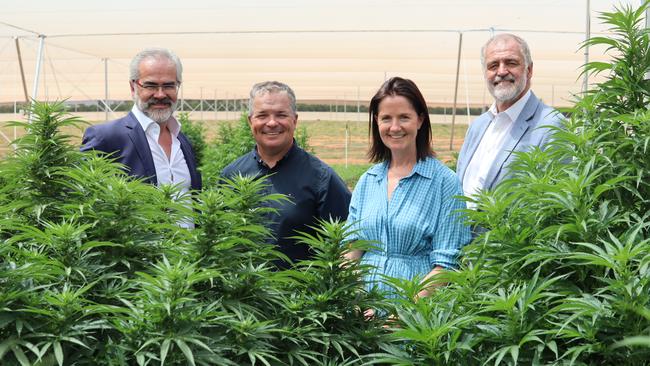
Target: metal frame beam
453 112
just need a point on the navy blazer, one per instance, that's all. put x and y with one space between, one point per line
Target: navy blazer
126 140
528 131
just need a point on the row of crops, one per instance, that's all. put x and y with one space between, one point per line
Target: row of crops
94 271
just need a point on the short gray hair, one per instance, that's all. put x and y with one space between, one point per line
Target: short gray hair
155 53
271 87
523 47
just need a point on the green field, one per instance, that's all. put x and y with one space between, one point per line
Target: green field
328 139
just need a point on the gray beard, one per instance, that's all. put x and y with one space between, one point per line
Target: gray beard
157 115
508 94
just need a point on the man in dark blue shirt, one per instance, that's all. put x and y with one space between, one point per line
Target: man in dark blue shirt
313 188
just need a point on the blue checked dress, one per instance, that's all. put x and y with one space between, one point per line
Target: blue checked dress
417 229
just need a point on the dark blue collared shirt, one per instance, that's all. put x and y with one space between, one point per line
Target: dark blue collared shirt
315 192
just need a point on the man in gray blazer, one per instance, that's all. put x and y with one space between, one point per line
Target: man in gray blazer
515 122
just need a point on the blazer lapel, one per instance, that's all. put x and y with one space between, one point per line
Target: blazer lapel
482 124
141 146
522 124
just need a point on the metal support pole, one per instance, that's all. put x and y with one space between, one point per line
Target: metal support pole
39 62
358 105
552 95
37 72
453 112
585 85
22 71
347 142
215 106
337 107
106 87
201 103
182 99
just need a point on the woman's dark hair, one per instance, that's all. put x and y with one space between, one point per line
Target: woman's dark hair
406 88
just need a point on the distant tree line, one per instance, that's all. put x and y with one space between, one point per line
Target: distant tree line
364 108
223 105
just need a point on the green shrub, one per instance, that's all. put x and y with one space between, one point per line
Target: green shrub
195 132
302 139
232 142
95 271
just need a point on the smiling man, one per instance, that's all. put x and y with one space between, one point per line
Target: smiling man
516 121
313 188
148 141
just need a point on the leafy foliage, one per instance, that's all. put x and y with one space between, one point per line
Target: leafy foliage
561 275
233 142
195 132
95 271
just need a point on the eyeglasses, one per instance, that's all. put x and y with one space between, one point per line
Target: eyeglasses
153 87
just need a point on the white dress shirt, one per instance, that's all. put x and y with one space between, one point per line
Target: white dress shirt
172 170
490 146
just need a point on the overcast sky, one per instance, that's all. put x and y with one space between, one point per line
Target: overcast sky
227 46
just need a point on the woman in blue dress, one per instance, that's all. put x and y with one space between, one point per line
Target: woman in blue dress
405 203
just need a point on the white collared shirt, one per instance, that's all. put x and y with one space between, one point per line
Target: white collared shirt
172 170
490 146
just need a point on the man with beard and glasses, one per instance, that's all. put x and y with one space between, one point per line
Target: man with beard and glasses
516 121
148 141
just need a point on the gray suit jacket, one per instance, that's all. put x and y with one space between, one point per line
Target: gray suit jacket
528 131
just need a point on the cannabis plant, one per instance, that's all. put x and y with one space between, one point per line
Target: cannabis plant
195 132
561 275
233 141
40 155
326 302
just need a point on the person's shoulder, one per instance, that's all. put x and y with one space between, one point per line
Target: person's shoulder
313 162
241 165
111 126
107 136
370 175
552 116
482 116
480 119
373 172
438 168
443 177
376 169
327 176
547 115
